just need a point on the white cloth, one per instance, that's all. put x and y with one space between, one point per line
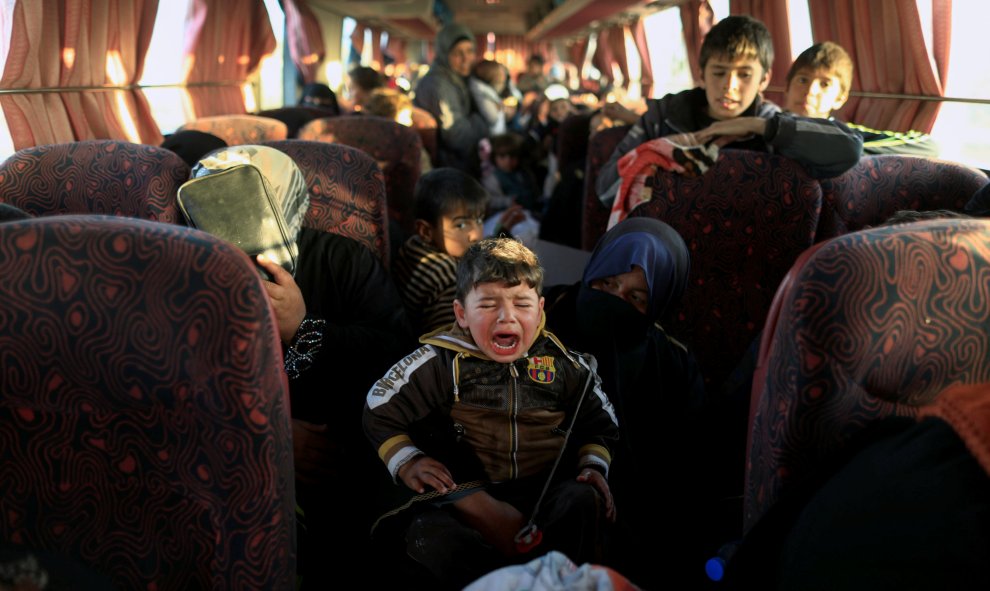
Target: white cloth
552 572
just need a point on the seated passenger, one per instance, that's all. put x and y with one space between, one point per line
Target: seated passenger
361 82
727 108
191 145
395 105
818 83
449 206
516 403
636 274
342 323
319 96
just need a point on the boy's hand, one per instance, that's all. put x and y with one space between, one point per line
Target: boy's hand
423 471
731 130
286 299
511 216
618 112
595 479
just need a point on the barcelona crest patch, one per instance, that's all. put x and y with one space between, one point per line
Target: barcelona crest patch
541 370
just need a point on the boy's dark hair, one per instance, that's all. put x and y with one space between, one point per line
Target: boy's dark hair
535 59
909 216
442 190
366 78
738 36
498 260
386 102
486 71
828 56
508 143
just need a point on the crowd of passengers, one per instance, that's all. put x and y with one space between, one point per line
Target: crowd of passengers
454 415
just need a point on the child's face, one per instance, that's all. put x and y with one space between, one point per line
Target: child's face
503 320
731 85
814 93
506 161
560 109
457 231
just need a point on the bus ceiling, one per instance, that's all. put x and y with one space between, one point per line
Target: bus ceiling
535 20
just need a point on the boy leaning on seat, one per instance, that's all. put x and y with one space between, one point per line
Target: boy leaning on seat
727 108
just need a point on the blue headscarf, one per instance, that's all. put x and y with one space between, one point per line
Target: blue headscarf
650 245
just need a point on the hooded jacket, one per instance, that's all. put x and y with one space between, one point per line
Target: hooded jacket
512 417
443 89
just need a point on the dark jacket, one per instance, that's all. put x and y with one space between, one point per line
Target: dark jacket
459 135
344 283
825 148
512 416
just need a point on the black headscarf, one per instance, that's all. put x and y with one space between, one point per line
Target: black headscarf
650 245
191 145
319 95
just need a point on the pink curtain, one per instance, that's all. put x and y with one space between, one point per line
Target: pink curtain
697 18
305 38
646 67
131 38
884 38
67 43
376 48
611 49
512 51
774 15
357 39
225 41
396 47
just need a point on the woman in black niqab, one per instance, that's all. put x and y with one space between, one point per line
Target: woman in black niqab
635 276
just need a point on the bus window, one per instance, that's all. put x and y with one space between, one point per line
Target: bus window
962 128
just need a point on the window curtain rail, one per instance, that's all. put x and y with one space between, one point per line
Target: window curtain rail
913 97
125 87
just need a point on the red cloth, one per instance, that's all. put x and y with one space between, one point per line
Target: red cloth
639 164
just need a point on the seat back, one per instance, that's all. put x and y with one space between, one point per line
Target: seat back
395 147
144 409
239 130
109 177
426 126
745 221
870 324
595 219
346 191
295 117
878 186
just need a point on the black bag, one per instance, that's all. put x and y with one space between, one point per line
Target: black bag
236 205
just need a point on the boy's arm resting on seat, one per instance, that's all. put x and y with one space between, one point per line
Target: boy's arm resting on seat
910 143
824 147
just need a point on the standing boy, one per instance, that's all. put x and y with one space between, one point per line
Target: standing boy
735 59
515 403
818 83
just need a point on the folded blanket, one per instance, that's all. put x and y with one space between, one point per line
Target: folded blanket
640 164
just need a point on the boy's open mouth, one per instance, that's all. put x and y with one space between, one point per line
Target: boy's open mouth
505 341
